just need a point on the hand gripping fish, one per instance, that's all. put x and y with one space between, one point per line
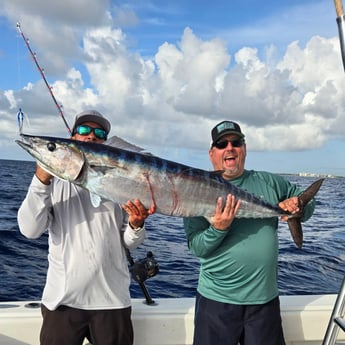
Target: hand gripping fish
119 174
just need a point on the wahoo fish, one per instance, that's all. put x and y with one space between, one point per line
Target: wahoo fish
119 171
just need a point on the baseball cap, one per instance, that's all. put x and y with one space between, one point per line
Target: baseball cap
91 116
226 127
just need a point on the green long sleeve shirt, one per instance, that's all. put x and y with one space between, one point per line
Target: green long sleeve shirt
239 265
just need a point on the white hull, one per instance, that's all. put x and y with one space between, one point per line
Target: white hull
170 321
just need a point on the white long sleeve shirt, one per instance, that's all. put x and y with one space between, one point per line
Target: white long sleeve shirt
88 268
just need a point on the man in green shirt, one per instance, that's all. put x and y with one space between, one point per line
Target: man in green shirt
237 296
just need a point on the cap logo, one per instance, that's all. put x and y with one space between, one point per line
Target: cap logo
225 125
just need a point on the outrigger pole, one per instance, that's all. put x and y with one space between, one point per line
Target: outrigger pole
341 27
44 78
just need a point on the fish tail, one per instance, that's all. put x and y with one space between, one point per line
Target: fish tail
295 227
310 192
294 223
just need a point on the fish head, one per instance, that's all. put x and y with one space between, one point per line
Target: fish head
60 157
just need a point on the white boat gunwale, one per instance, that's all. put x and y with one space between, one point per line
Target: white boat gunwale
170 320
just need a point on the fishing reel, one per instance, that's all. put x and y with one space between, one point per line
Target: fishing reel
144 269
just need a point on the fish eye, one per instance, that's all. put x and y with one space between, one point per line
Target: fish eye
51 147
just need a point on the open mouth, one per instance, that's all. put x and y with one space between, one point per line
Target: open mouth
229 158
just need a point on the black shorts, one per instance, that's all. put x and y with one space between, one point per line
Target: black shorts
219 323
70 326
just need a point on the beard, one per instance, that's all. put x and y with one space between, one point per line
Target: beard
231 173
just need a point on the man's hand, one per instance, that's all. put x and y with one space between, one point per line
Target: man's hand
42 175
225 215
137 212
290 205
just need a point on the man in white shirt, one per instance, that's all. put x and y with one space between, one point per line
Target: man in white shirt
86 294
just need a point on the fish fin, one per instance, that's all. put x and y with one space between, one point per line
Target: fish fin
294 223
120 143
295 227
95 200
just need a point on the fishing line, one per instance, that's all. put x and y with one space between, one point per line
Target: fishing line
44 78
20 114
19 81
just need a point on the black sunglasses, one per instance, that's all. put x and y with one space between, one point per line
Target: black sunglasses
99 133
222 144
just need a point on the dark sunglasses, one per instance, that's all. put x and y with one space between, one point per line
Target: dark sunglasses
222 144
99 133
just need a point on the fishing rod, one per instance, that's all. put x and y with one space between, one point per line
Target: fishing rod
142 270
341 27
44 78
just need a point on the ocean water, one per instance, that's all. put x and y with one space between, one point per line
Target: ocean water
318 268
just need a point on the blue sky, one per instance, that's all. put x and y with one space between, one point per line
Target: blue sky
166 72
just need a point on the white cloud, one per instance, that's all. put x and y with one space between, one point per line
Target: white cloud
294 102
77 12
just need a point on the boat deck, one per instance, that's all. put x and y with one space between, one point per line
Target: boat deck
170 321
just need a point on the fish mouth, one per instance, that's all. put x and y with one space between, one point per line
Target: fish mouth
27 145
59 157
